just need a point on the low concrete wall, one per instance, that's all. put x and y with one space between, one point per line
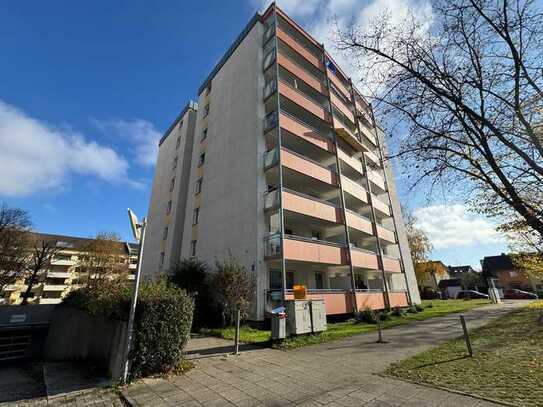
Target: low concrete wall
76 335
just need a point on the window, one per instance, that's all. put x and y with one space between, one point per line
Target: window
288 232
196 216
276 280
172 184
315 235
161 261
193 248
319 281
204 133
174 163
178 142
165 233
169 207
198 187
206 110
202 159
290 280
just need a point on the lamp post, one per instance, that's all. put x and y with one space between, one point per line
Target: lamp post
138 230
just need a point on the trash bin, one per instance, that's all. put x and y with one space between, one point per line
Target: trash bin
278 323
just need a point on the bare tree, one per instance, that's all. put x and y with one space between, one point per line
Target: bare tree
38 260
104 258
469 88
14 225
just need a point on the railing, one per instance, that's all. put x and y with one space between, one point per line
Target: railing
286 81
270 88
269 59
306 158
271 199
312 240
272 245
270 120
313 198
269 32
310 127
271 158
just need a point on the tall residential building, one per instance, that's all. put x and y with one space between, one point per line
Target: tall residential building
285 171
67 270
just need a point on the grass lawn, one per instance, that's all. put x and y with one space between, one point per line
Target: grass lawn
433 308
507 363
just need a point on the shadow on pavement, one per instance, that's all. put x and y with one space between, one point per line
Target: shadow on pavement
21 381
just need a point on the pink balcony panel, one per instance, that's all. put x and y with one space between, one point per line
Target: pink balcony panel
380 205
377 179
314 252
334 303
298 164
306 206
339 84
304 102
296 46
308 134
359 223
392 265
294 25
363 259
371 300
353 162
354 189
386 234
341 106
398 299
302 74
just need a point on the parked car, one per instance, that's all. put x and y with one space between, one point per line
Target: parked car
515 294
470 294
429 294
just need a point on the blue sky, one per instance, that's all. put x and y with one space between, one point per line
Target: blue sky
89 87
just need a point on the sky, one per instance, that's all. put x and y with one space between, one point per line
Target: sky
88 88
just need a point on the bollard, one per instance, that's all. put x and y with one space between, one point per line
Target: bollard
380 330
466 335
238 317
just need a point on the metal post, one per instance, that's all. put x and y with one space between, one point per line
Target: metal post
380 329
238 317
466 335
133 303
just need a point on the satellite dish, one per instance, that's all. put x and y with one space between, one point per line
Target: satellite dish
134 223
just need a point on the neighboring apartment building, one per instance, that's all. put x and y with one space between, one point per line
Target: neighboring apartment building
287 174
507 276
65 273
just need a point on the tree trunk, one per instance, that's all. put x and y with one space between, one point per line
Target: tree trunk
28 289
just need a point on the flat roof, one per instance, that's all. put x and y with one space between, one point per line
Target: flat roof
190 105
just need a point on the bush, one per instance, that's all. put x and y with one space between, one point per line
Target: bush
399 312
162 323
414 309
367 315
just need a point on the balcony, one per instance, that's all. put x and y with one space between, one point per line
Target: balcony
58 274
50 300
377 179
354 189
347 135
368 133
373 158
336 302
300 49
392 264
309 168
386 234
352 162
302 73
382 208
309 206
398 299
359 223
364 259
339 84
62 262
50 287
338 103
306 132
370 299
304 101
314 251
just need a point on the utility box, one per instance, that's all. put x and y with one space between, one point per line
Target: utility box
278 323
305 316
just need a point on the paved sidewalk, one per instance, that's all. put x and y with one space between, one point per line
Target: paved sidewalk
339 373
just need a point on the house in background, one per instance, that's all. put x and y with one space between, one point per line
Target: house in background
507 276
429 274
458 271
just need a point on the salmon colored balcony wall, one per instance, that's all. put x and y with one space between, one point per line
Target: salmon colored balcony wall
341 106
299 204
314 252
386 234
339 84
392 265
308 168
308 134
364 259
301 100
380 205
292 43
354 189
359 223
377 179
371 300
398 300
372 157
295 25
353 162
334 303
368 133
339 125
302 74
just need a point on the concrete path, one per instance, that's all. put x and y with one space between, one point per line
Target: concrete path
339 373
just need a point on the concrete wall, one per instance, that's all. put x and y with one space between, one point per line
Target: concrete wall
232 198
400 227
75 335
157 217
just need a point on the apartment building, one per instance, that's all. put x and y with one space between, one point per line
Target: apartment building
285 172
66 272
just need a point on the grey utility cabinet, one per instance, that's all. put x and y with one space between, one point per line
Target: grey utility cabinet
305 316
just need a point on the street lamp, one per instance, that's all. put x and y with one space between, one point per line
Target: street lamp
138 230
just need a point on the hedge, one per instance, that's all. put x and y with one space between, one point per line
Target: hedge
162 324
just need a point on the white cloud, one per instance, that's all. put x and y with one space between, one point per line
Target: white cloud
141 135
453 226
36 156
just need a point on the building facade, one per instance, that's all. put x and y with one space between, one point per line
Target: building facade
506 276
66 271
286 174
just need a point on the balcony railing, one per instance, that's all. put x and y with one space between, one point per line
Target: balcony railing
271 199
270 88
271 158
270 120
272 245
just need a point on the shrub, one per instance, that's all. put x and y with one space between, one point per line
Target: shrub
413 309
162 323
384 315
399 312
367 315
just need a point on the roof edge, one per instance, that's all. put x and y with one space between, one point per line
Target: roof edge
190 105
